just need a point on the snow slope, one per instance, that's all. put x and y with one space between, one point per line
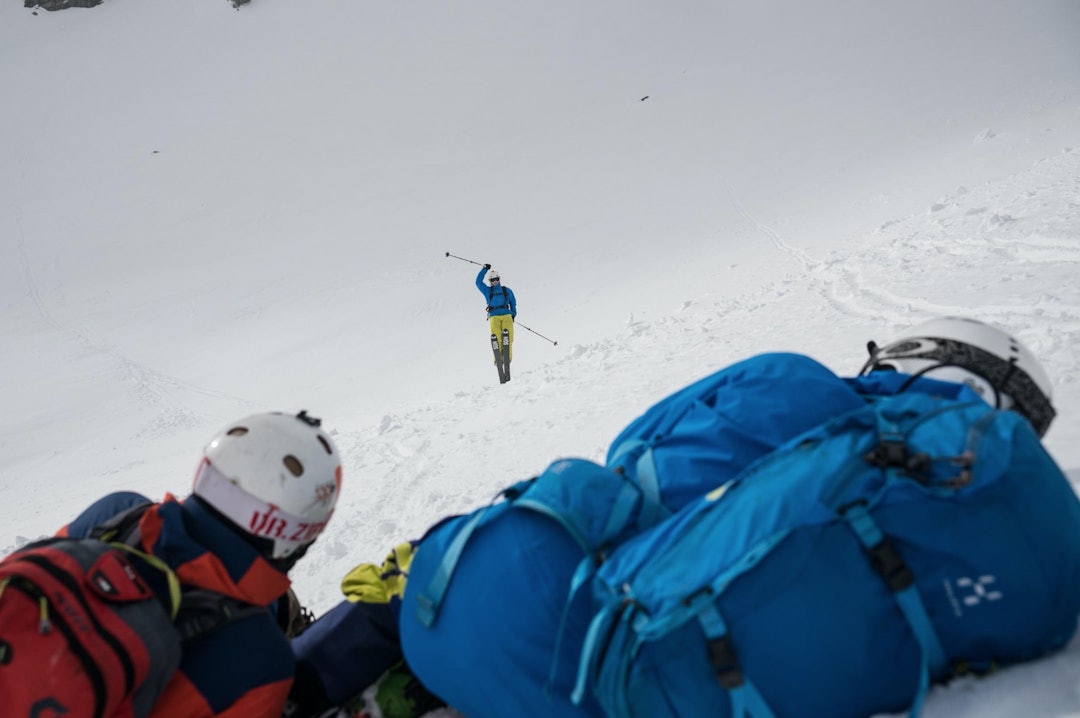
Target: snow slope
207 212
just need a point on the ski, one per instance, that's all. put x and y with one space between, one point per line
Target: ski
506 355
503 377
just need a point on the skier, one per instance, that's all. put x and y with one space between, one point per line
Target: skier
282 468
502 310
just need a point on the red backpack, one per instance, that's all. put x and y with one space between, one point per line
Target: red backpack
81 633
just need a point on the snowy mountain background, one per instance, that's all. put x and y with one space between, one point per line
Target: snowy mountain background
206 213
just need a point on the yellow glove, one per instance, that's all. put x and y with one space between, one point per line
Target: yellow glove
378 584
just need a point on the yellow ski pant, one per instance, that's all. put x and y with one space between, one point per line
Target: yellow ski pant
500 322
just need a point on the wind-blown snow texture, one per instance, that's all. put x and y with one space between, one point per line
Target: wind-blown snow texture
206 213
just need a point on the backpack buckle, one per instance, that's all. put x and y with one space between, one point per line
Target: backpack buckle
893 453
889 564
889 452
725 663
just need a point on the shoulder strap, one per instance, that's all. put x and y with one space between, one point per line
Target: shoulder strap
203 612
122 526
491 296
195 612
121 531
431 598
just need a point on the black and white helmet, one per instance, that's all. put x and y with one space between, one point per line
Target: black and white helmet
996 365
493 276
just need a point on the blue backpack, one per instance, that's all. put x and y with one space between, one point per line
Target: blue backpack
497 605
706 433
492 618
844 572
498 609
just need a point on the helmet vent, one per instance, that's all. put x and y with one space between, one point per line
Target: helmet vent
325 445
293 465
238 431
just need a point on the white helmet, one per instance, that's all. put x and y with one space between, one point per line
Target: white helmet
494 276
276 476
997 366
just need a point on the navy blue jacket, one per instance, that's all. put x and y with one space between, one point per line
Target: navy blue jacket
246 667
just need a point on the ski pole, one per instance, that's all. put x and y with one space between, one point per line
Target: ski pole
555 343
464 260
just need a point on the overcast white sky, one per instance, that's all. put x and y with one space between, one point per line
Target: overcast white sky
207 212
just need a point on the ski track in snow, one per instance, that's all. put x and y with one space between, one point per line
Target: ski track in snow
155 390
857 284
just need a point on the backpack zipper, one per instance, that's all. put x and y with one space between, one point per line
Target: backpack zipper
113 642
45 625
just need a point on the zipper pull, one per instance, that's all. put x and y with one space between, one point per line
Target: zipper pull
44 624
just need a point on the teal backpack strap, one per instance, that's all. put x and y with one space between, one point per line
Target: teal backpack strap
599 627
623 449
888 562
582 574
653 510
746 700
621 511
430 599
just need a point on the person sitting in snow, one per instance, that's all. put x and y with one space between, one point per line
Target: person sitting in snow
281 467
345 651
355 646
501 309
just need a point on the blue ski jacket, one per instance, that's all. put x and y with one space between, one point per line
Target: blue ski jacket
500 299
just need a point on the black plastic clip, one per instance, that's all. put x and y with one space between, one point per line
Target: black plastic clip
725 663
889 564
893 453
